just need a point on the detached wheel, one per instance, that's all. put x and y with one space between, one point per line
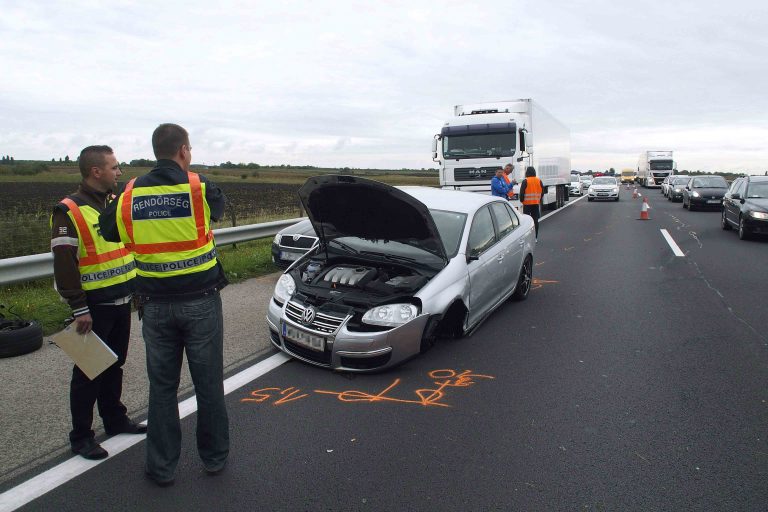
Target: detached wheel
524 281
724 222
19 337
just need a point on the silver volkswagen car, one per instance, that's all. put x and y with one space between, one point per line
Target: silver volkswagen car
396 268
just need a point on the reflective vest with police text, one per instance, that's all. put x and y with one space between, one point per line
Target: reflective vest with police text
105 267
167 228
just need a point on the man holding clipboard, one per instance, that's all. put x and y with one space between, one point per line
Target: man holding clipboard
94 277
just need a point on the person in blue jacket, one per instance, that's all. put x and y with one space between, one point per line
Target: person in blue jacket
499 186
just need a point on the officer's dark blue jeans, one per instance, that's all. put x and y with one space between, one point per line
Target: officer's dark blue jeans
193 326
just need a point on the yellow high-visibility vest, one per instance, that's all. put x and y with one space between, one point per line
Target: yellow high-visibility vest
103 265
167 228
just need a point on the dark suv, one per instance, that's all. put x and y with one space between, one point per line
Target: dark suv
745 206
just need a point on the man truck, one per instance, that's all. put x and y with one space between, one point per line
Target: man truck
654 166
483 137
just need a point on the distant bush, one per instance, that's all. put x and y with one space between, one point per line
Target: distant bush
27 169
243 176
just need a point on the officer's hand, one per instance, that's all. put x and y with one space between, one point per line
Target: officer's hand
83 323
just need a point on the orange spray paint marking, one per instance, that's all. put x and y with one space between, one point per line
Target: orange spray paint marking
538 283
262 395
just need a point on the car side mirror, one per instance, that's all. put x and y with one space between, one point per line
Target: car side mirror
736 196
472 257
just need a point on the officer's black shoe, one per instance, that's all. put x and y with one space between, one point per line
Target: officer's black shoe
90 449
158 482
129 427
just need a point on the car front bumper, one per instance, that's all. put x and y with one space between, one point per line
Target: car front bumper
599 194
706 202
347 350
756 226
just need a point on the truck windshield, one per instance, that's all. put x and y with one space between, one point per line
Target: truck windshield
478 146
661 165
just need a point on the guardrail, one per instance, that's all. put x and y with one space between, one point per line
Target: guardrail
38 266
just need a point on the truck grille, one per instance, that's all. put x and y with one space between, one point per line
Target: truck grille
322 323
474 173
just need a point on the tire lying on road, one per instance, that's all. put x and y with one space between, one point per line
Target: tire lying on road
19 337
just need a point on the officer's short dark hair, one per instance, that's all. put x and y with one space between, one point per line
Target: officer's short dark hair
167 139
93 156
530 171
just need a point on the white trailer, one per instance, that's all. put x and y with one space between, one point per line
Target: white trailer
654 166
482 137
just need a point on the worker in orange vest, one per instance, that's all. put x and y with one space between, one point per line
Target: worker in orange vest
510 180
531 191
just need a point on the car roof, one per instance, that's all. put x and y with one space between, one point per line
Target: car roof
756 178
450 200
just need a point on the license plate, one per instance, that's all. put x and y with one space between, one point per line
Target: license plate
290 256
304 338
602 193
713 201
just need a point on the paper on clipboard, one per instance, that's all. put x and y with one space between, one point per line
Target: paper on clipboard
88 351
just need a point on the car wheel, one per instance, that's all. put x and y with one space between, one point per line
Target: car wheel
690 206
743 232
724 222
19 337
617 199
684 205
429 338
524 281
589 199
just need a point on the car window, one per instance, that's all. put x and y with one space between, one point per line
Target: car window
503 219
481 234
604 181
450 225
709 182
737 187
757 190
680 181
513 215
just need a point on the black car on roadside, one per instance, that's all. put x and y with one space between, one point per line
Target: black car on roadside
704 192
676 186
292 243
745 206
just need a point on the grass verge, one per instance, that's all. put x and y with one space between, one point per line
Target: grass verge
37 300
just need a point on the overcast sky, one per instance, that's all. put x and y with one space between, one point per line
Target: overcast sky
367 84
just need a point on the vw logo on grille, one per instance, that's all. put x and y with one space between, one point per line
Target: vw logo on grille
296 238
308 316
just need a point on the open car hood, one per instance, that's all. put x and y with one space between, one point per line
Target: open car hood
341 206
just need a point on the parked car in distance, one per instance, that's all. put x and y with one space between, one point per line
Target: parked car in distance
676 186
665 185
745 206
394 270
705 192
292 243
604 188
575 188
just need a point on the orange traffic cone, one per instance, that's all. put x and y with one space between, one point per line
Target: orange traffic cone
644 210
634 193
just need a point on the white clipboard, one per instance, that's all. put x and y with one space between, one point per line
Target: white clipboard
88 351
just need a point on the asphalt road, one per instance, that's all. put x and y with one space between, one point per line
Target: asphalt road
631 379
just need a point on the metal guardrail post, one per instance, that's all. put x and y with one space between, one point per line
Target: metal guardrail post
38 266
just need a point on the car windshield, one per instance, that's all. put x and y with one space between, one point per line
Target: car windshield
585 178
681 181
450 225
709 182
575 179
758 190
604 180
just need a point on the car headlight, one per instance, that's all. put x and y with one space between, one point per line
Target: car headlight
758 215
284 289
695 194
391 315
591 190
276 240
677 190
615 190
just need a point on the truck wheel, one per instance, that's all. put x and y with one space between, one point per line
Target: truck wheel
19 337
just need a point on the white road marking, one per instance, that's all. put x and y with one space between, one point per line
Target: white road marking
672 244
69 469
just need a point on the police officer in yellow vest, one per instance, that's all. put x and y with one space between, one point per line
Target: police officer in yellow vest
95 277
531 190
164 219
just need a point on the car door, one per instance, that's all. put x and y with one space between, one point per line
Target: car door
731 205
511 244
485 265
